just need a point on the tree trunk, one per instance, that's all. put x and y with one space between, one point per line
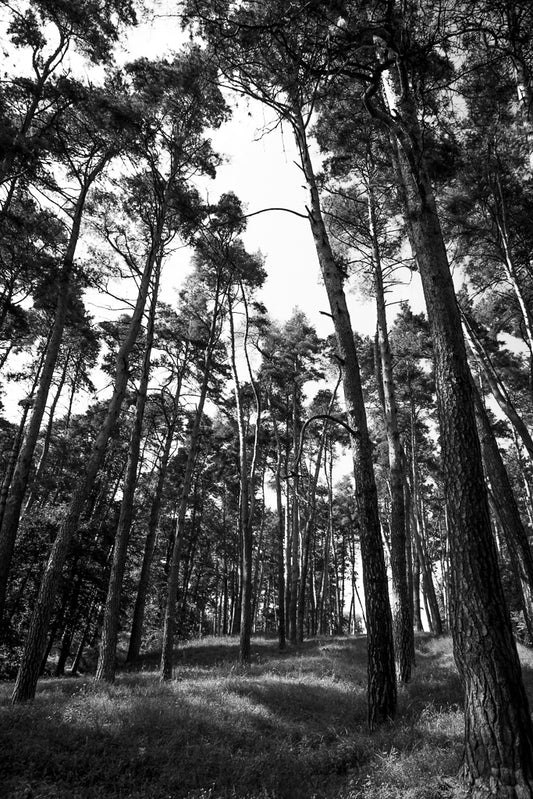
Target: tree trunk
17 442
497 388
280 538
10 521
105 669
401 610
499 734
26 682
48 437
169 619
247 484
506 508
134 647
381 667
524 95
309 524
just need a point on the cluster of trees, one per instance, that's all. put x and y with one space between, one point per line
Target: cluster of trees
200 495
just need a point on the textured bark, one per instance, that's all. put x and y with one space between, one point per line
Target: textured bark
19 483
105 669
401 609
499 734
26 682
499 392
506 508
381 667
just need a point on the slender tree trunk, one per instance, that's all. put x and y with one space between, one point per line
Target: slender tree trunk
381 667
26 682
134 647
409 558
287 547
428 583
280 537
247 485
48 437
83 638
69 628
259 571
419 627
19 436
497 388
401 615
499 733
322 603
105 669
511 272
506 508
310 521
169 620
10 521
524 96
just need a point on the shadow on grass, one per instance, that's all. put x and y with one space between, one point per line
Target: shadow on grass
291 726
172 740
216 651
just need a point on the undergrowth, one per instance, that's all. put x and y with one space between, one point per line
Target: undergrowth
291 726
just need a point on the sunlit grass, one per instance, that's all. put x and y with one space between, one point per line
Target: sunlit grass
291 726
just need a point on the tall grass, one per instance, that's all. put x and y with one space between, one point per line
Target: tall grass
291 726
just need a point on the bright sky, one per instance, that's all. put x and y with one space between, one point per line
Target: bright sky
261 170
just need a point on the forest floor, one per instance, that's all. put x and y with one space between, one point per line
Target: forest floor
291 726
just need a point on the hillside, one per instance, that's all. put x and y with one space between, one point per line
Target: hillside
292 726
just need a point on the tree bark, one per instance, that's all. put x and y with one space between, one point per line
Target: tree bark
169 619
506 508
499 734
401 609
105 669
309 524
280 527
381 667
10 521
19 436
294 521
27 677
48 437
497 388
135 641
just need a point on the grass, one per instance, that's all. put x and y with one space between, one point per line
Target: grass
292 726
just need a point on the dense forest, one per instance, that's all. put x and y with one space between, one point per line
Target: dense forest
175 468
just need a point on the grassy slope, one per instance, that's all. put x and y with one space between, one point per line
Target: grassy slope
291 727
